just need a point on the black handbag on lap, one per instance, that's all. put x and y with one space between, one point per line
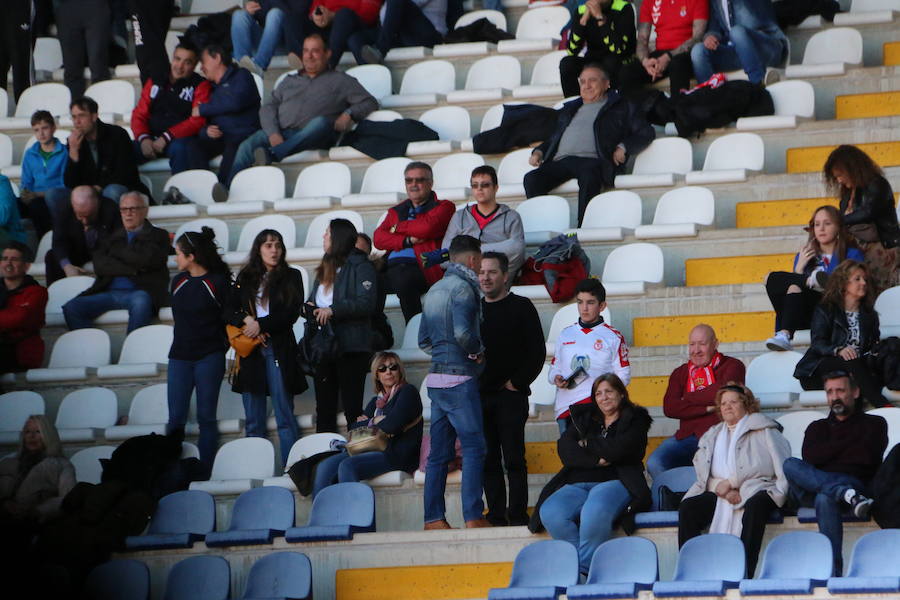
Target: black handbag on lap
318 344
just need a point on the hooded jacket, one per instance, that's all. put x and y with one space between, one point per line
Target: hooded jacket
21 319
39 175
503 233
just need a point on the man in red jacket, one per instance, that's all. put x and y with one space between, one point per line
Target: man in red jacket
691 398
414 226
22 304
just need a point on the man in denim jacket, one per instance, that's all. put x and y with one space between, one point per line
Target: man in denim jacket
450 333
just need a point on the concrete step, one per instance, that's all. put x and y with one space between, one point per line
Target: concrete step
730 327
891 53
810 159
781 213
858 106
734 269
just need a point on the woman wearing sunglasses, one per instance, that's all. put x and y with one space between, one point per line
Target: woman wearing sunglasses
396 409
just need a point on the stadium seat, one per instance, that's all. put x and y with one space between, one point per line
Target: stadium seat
15 408
181 518
538 29
679 212
659 163
376 79
544 78
312 248
338 511
873 566
250 192
629 268
544 218
707 565
308 445
280 575
6 150
891 414
280 223
114 97
609 216
73 353
424 83
239 465
542 571
229 412
793 100
771 377
53 97
452 174
729 158
562 318
47 56
864 12
511 172
794 426
88 468
60 292
494 16
219 226
828 52
620 568
118 579
143 351
792 563
4 105
494 115
148 413
382 116
679 479
207 577
86 412
38 269
452 123
258 516
189 450
195 184
887 305
409 350
471 48
543 393
318 186
382 184
490 78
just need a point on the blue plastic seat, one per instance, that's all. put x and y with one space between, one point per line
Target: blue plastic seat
258 516
679 479
206 577
338 511
620 568
873 566
280 575
181 518
807 514
541 571
707 565
120 579
793 563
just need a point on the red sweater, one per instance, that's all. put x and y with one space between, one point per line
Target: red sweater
366 10
428 226
690 407
21 319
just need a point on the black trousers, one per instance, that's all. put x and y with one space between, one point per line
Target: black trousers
792 311
588 172
297 25
505 413
695 514
869 383
16 42
408 282
150 21
342 379
634 76
84 35
570 67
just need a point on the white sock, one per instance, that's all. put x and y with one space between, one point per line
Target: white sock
848 495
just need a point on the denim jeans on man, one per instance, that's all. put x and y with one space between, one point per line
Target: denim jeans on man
181 152
282 403
672 453
318 133
343 468
204 375
81 311
259 43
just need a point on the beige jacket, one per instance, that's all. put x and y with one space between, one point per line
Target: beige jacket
43 489
761 451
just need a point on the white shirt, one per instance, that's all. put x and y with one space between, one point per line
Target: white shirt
324 296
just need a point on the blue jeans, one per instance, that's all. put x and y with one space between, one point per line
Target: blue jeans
81 311
318 133
747 49
249 39
204 375
672 453
114 191
455 412
583 515
563 424
343 468
813 487
282 403
183 154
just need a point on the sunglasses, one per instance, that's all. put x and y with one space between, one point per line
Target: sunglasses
733 388
392 367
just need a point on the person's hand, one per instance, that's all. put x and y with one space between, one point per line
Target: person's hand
593 8
159 145
536 158
415 240
195 112
509 386
322 315
27 196
214 132
559 381
619 155
722 488
806 254
662 63
343 122
734 496
147 148
322 17
710 42
276 139
251 327
73 271
252 7
710 408
361 418
74 141
603 462
848 353
650 65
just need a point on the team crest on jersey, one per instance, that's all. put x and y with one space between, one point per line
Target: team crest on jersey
187 94
581 361
700 382
598 344
683 12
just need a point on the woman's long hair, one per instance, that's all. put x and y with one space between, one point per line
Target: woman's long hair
837 281
254 273
841 242
860 168
616 383
381 358
343 241
52 447
203 247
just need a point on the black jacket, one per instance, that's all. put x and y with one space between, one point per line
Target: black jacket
354 303
115 161
874 204
68 235
404 408
830 332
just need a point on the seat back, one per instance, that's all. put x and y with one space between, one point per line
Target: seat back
634 262
546 69
797 98
118 579
283 224
452 123
679 479
545 563
53 97
665 155
887 305
874 555
280 575
500 71
150 406
207 577
624 560
376 79
113 96
688 204
891 414
308 445
711 557
797 554
873 5
541 23
773 372
231 405
195 184
544 213
493 116
568 315
88 468
63 290
219 226
429 77
385 175
837 44
736 151
344 504
383 116
323 179
88 407
81 348
4 103
794 425
542 391
244 458
185 511
455 170
318 225
263 508
47 54
16 407
618 208
411 333
44 246
494 16
514 165
148 344
205 7
6 150
60 134
257 183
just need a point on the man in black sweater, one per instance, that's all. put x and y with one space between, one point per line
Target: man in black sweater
514 353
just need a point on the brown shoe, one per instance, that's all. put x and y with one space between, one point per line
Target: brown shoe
476 523
442 524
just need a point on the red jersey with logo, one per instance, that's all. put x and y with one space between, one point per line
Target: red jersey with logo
673 19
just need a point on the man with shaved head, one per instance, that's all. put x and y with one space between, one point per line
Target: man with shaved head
691 396
81 226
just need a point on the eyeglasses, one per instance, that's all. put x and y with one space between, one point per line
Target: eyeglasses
130 209
392 368
410 180
482 185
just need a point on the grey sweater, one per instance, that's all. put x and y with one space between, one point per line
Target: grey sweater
43 489
503 234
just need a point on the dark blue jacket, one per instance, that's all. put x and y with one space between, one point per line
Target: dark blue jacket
402 410
234 104
758 15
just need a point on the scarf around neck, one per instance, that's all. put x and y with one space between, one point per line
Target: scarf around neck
700 378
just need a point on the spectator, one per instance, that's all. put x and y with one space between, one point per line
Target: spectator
232 113
795 295
10 223
150 20
382 335
16 41
739 476
256 32
82 224
746 37
22 304
162 123
199 294
497 226
844 330
691 398
130 264
867 206
604 30
840 456
44 192
396 409
266 303
306 111
411 228
602 476
450 334
100 155
514 353
590 345
346 24
85 36
679 26
594 136
408 23
345 294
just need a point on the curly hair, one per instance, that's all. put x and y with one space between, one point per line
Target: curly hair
750 402
841 242
860 168
837 282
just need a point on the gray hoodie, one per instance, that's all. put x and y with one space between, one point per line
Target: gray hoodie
503 234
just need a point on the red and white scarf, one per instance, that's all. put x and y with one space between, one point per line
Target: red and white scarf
700 378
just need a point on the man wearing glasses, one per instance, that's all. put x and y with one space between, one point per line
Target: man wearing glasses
411 228
131 270
22 304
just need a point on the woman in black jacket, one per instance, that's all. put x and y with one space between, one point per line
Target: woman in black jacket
867 204
602 477
265 303
397 410
344 294
844 330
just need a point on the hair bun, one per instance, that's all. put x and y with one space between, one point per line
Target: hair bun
208 232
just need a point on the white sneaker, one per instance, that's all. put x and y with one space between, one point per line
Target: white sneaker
250 64
780 342
772 75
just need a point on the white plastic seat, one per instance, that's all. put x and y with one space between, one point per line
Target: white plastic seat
792 99
195 184
494 16
219 226
493 116
828 52
52 97
38 268
4 104
250 191
85 412
891 414
659 163
771 377
88 468
143 351
47 55
239 465
863 12
543 218
73 353
471 48
511 172
317 187
229 411
15 408
679 212
424 83
608 216
409 350
543 393
490 78
6 150
305 447
312 246
452 175
538 29
376 79
544 78
887 305
113 96
280 223
60 292
729 158
562 318
382 184
148 413
452 123
382 116
631 267
795 424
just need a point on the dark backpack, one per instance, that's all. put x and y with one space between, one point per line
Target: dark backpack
886 491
